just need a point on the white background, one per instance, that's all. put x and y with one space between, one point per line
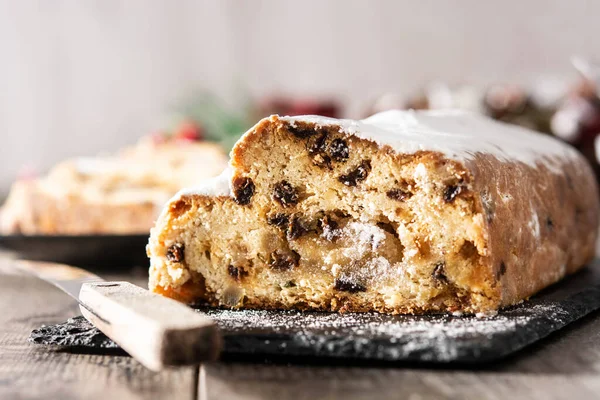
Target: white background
81 77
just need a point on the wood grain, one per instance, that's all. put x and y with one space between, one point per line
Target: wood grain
565 366
27 371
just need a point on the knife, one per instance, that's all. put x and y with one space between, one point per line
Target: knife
157 331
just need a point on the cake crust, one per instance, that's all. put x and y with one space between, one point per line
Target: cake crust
323 214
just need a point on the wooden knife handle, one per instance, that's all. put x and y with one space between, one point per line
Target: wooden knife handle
155 330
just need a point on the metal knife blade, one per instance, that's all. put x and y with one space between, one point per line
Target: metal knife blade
155 330
67 278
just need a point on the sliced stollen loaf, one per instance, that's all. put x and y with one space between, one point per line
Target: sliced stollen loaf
403 212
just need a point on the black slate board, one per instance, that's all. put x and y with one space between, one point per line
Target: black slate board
82 250
433 339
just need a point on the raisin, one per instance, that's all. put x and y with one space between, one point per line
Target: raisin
501 270
285 194
329 228
297 228
357 175
439 273
389 228
284 261
176 253
236 273
338 150
316 149
344 284
243 190
317 145
399 194
279 220
301 132
549 223
289 284
451 192
340 214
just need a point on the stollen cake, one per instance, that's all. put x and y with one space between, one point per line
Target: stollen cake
403 212
115 194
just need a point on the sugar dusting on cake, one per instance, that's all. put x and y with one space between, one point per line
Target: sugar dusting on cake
217 186
457 134
365 237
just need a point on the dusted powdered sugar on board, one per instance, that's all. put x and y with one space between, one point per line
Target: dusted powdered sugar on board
259 334
440 338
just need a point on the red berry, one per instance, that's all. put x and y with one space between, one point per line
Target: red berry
189 131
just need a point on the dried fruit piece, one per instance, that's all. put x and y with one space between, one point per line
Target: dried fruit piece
316 145
345 284
451 192
284 261
279 220
243 190
301 132
389 228
399 194
176 252
285 194
233 296
236 273
297 228
338 150
329 228
359 174
439 273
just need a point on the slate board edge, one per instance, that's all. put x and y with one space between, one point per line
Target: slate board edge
573 306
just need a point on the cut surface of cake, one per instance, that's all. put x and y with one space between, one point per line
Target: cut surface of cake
116 194
404 212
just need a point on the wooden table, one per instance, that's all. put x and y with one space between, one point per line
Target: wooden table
566 365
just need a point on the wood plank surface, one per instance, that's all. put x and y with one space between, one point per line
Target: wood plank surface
565 366
27 371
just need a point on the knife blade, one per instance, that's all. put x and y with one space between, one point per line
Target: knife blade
155 330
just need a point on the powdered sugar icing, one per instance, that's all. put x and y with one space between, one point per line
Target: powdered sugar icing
217 186
457 134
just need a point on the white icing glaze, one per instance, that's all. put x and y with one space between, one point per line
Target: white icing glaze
217 186
457 134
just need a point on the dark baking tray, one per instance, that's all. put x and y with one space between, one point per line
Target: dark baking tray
259 335
82 250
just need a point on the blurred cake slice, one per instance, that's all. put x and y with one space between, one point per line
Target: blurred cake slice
120 194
